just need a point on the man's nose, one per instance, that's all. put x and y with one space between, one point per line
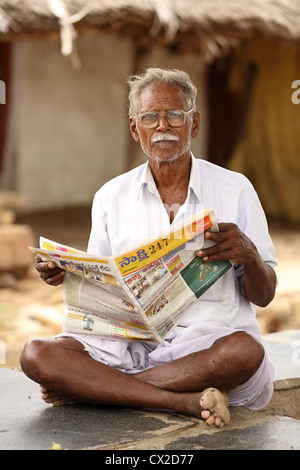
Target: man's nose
163 123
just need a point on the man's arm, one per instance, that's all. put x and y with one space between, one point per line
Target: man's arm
232 244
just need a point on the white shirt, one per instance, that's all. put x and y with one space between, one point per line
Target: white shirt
128 209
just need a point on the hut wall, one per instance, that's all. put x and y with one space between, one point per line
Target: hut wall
71 126
268 151
71 130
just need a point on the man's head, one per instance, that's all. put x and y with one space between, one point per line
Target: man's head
175 78
162 113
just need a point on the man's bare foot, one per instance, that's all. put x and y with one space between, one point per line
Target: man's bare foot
54 399
210 405
214 406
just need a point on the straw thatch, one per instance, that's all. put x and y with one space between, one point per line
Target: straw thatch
205 23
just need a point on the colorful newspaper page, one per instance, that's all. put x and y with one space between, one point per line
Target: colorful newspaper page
141 293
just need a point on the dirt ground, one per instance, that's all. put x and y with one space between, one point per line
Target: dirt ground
29 308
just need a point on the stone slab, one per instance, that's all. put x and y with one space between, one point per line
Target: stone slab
278 433
27 423
284 350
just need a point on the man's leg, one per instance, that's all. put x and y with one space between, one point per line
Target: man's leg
64 369
62 366
231 361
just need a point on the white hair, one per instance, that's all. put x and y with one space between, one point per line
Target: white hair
176 78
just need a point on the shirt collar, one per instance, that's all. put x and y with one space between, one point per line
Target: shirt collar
194 184
195 179
147 180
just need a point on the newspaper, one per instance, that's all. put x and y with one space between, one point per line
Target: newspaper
140 293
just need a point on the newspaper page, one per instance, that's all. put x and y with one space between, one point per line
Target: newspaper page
138 294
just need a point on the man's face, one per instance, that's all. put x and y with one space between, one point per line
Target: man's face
156 142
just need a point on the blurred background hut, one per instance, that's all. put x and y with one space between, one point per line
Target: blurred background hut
64 127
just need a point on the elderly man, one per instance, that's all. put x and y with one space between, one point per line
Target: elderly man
214 359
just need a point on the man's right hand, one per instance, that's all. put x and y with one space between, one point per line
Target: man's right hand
49 272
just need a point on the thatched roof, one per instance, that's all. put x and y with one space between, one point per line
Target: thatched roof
203 22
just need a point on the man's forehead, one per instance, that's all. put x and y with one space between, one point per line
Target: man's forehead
160 94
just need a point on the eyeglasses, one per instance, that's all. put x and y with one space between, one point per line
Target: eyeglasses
175 118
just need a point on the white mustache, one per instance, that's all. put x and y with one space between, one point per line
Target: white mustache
162 137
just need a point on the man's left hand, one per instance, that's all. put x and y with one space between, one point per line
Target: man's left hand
231 244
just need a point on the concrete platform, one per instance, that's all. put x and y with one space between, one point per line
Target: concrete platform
27 423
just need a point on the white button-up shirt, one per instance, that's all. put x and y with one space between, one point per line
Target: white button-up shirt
128 209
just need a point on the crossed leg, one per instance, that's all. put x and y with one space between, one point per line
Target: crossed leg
189 385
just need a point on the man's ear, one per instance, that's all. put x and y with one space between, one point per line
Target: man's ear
134 130
196 124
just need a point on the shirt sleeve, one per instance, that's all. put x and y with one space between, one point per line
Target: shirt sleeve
252 221
99 243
